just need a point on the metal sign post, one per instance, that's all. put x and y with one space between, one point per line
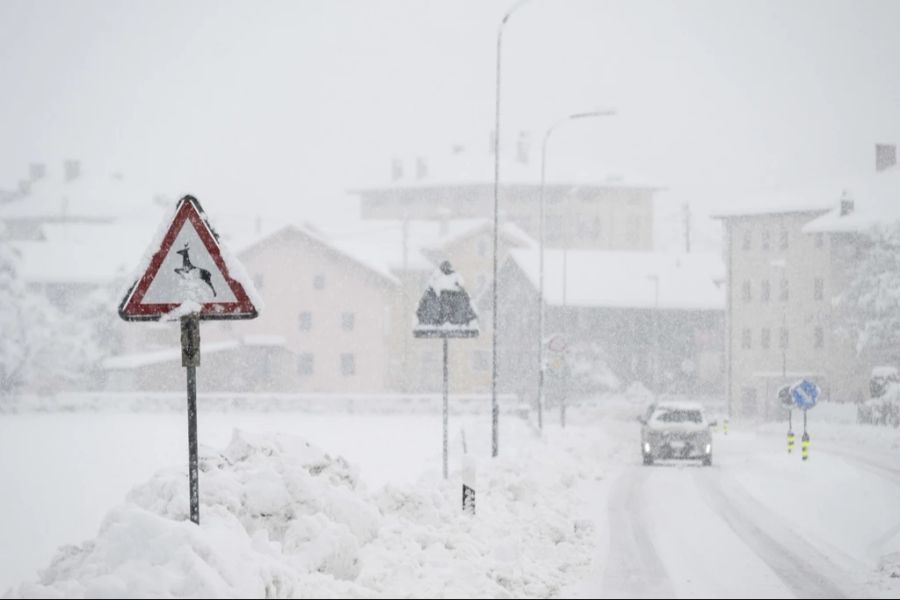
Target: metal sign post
787 401
190 359
445 312
188 278
805 395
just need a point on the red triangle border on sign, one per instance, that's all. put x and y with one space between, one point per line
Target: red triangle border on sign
133 309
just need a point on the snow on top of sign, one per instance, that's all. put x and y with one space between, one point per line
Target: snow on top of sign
451 282
185 309
626 279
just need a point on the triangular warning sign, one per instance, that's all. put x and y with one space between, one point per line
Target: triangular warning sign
187 270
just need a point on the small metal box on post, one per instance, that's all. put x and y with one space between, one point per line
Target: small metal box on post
445 311
189 277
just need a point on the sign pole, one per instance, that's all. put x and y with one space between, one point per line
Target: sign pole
190 359
446 404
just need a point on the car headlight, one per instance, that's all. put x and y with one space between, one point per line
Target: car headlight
646 447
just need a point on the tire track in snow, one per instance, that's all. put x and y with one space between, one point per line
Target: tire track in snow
634 569
865 461
803 569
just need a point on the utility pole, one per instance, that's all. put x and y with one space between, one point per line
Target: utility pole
407 310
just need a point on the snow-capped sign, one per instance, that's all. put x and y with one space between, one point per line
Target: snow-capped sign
805 393
784 396
445 310
189 272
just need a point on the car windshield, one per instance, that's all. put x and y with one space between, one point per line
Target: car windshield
678 415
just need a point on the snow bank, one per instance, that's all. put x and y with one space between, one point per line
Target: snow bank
280 518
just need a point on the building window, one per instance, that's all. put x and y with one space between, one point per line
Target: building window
783 338
820 240
348 365
784 294
306 363
319 282
765 290
765 338
481 360
765 240
748 239
819 337
348 321
819 288
746 339
258 281
783 239
746 292
304 321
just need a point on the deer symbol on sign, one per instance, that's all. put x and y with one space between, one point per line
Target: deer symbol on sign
189 271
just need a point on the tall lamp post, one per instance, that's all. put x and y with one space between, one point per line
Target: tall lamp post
655 280
495 409
549 132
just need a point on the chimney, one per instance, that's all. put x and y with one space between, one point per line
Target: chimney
421 168
846 203
37 171
396 169
72 169
885 156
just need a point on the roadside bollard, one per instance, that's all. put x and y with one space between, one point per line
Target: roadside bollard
468 485
804 446
790 441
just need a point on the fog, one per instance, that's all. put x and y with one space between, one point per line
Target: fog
643 343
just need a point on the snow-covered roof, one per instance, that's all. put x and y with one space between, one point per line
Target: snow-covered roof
143 359
88 197
110 253
812 198
876 199
466 166
623 279
379 244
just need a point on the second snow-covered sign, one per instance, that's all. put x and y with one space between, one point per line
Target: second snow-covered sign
188 269
445 311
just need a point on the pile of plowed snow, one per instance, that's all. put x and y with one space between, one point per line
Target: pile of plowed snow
280 518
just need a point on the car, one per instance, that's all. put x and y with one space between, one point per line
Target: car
677 431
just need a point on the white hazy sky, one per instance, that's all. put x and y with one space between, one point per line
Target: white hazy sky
283 105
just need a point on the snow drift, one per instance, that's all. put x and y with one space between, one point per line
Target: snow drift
280 518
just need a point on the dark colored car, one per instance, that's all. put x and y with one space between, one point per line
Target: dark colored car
676 430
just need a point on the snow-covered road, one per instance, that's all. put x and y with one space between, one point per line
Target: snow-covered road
758 524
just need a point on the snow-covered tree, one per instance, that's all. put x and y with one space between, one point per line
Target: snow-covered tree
42 346
869 308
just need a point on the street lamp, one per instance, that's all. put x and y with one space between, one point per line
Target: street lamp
655 280
495 409
550 130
